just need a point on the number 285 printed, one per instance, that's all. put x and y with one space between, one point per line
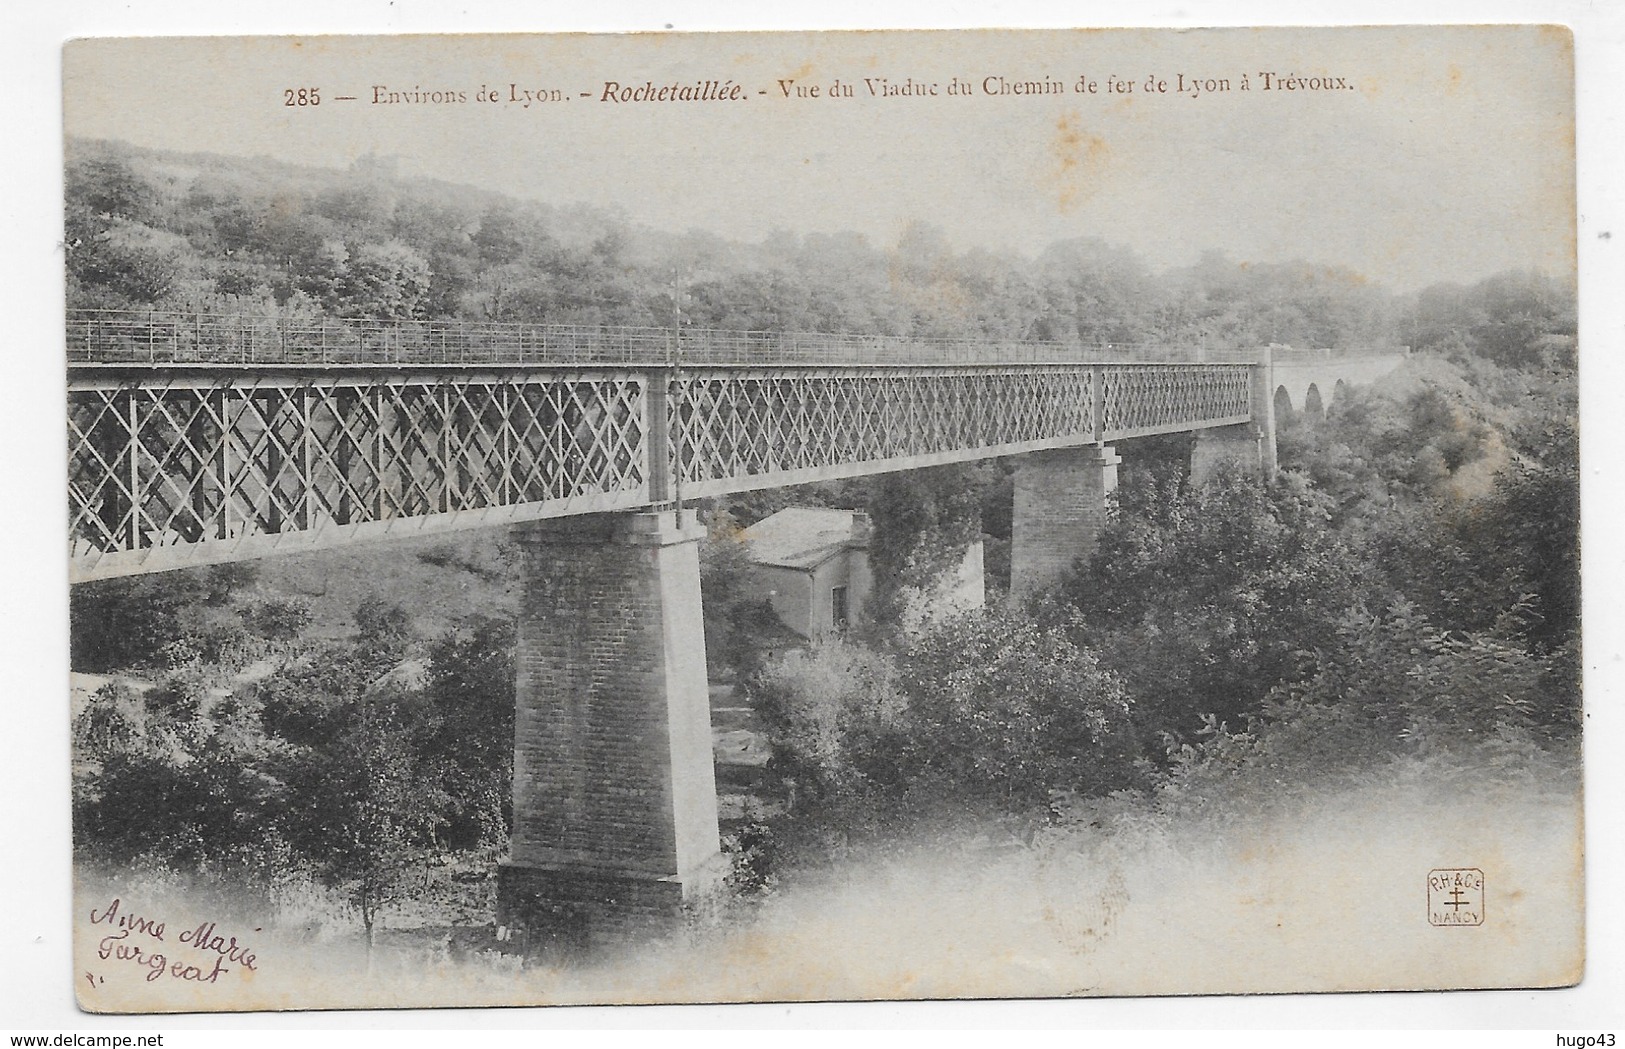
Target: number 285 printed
301 96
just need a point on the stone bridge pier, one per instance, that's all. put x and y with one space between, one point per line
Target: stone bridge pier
1250 444
614 792
1246 445
1059 510
1061 495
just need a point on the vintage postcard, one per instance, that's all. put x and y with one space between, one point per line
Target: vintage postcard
610 519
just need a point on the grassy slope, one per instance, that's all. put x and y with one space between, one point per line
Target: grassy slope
475 576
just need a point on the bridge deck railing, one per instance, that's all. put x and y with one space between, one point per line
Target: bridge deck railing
168 337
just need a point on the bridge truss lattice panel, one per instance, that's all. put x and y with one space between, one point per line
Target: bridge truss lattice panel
1137 400
170 466
737 429
167 470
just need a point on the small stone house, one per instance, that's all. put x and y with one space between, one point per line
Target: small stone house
811 564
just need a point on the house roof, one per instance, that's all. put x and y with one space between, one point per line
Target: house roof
799 537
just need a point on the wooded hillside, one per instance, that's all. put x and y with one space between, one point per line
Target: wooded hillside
147 229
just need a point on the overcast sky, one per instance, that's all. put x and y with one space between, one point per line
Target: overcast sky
1443 154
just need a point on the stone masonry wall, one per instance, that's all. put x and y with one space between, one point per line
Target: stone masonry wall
614 789
565 912
1060 508
1239 444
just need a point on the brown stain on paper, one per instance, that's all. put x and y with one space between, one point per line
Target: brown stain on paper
1080 159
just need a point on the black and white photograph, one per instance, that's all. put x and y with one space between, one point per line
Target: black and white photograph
796 517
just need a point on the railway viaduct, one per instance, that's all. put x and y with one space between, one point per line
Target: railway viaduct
202 439
1312 380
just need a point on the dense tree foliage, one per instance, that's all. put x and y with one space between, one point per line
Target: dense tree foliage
1010 710
147 229
1206 598
348 760
1523 320
990 711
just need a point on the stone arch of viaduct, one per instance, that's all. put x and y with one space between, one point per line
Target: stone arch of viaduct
1311 381
206 456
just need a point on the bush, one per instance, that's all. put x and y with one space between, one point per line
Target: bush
277 618
469 749
117 624
113 720
754 854
1204 598
830 711
1004 709
1387 689
179 777
989 709
383 624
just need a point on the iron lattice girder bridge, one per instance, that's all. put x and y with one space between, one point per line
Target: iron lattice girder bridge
175 462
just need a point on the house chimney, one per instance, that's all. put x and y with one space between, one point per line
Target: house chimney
862 528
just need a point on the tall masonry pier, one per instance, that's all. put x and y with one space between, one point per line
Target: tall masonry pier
614 792
1059 509
199 439
1062 495
1250 444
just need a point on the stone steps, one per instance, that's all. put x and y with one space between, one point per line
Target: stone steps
741 751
